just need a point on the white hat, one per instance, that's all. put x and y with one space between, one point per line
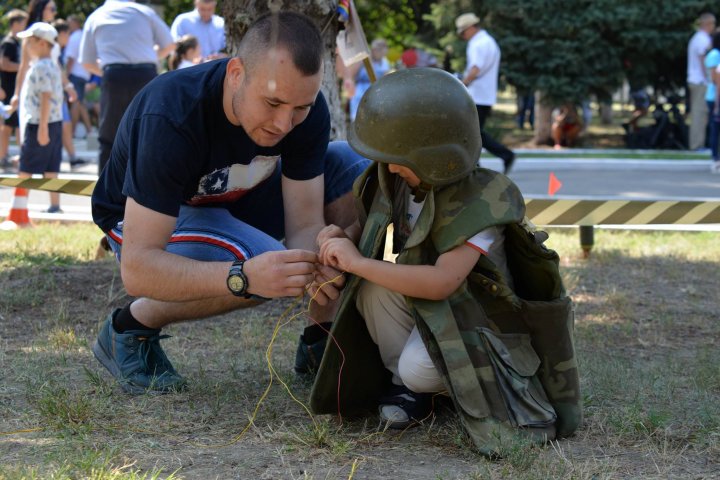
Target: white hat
41 30
465 21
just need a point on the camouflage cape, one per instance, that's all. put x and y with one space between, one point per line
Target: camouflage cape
506 356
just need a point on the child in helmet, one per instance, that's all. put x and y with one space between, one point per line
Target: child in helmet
426 313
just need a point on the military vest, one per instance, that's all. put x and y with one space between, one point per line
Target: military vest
506 355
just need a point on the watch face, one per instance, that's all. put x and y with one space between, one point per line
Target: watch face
236 283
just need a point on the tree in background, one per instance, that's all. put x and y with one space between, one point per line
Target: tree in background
569 50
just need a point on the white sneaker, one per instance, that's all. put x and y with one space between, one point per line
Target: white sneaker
715 167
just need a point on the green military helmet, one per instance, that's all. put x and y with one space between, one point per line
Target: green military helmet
423 119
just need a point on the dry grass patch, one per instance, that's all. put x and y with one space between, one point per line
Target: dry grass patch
646 332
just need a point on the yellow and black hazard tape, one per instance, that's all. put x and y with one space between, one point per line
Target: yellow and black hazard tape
71 186
541 211
551 211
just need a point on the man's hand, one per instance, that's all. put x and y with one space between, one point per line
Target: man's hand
281 273
340 253
331 280
72 95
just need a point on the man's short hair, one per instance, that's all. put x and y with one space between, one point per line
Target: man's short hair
292 31
16 15
61 25
706 18
75 18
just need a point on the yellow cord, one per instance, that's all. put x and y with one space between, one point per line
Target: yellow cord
273 374
23 430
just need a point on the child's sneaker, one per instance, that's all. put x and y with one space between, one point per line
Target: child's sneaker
401 407
53 209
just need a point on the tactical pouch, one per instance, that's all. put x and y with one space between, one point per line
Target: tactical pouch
514 364
551 329
546 313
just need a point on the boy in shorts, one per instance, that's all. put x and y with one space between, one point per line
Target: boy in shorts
41 101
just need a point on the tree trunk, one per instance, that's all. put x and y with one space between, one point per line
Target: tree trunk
239 14
543 120
606 113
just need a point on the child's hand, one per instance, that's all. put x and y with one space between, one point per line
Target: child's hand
339 253
331 231
43 137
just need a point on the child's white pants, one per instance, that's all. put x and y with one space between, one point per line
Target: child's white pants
392 328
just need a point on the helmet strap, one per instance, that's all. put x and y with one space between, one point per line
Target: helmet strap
420 192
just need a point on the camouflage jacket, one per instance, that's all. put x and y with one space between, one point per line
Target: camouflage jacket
506 356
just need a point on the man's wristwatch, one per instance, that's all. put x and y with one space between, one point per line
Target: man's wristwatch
237 281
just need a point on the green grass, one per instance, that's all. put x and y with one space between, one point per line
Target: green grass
48 244
646 331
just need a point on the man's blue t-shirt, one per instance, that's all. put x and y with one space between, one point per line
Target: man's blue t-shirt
175 146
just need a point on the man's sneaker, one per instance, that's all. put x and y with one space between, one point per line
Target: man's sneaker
136 359
401 408
311 348
76 163
715 167
508 163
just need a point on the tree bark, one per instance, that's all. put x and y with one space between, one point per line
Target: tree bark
239 14
543 120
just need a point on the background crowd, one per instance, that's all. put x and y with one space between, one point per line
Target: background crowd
658 119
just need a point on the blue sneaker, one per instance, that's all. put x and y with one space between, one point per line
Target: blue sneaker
136 359
311 348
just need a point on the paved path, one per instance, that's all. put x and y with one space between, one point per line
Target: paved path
682 178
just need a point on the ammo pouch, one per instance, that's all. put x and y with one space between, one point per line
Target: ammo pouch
539 308
514 364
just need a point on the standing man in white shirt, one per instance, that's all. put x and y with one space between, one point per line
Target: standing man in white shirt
119 44
481 78
205 25
77 75
697 81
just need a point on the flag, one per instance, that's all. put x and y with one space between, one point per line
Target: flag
343 10
553 184
351 42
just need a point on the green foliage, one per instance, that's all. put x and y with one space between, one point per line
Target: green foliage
82 8
570 49
394 20
562 51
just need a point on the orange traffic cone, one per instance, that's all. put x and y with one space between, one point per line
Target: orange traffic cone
18 216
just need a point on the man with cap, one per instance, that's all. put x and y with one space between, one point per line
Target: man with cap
481 78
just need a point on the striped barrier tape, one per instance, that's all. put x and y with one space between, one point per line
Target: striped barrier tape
583 211
541 211
70 186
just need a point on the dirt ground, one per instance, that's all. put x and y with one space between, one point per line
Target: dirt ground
644 323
